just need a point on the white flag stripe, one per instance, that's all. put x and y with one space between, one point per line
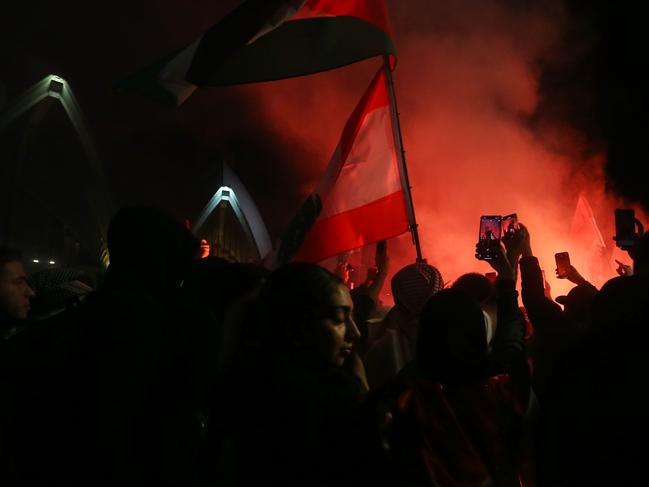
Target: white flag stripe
283 13
371 170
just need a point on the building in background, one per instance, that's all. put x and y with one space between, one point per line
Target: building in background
231 223
54 203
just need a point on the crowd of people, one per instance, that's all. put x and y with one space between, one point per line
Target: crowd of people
177 370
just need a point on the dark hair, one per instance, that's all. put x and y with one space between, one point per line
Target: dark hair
9 254
293 293
478 286
135 226
151 241
621 310
452 341
364 307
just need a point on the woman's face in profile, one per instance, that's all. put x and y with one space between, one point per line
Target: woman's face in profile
332 335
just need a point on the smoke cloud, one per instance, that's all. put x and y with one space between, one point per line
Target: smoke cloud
478 84
475 129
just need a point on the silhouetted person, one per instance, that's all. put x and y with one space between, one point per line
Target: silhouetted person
555 330
137 425
293 416
594 414
15 295
411 287
482 290
459 414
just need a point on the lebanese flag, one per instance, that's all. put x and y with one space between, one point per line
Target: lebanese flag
361 193
265 40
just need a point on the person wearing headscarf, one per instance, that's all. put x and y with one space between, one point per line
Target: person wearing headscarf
411 287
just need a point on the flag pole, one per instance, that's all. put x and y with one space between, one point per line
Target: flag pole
401 159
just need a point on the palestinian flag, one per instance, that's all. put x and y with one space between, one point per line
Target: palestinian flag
360 198
265 40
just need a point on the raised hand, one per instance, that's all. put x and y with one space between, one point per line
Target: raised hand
501 264
623 269
547 289
517 243
572 275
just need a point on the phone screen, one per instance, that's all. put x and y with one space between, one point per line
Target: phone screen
489 236
510 224
563 263
625 227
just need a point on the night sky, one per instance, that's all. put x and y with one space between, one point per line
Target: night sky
590 80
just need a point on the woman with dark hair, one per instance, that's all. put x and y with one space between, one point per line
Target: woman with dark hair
308 312
459 414
297 396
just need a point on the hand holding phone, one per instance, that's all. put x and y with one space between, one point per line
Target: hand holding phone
562 260
510 225
625 228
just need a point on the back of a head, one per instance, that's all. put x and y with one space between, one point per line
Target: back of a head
578 303
291 294
452 342
413 285
150 241
478 286
621 310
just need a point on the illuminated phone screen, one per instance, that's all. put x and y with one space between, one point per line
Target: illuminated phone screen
510 224
489 236
563 263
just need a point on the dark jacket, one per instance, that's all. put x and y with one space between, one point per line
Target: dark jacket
554 333
285 424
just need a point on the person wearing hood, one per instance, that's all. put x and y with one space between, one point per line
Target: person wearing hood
411 287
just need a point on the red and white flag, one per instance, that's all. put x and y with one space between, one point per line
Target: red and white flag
588 249
361 193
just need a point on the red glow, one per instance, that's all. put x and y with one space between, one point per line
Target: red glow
465 88
373 11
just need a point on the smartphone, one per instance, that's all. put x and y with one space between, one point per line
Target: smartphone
510 225
563 263
625 234
489 237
